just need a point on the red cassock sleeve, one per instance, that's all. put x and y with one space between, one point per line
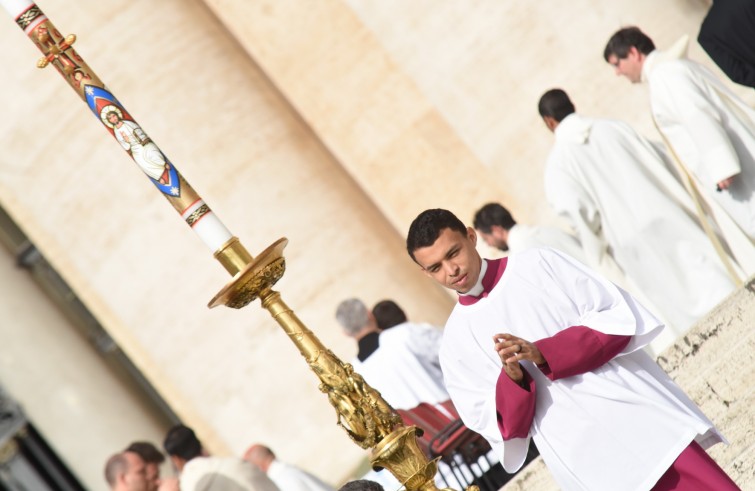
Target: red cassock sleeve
574 350
578 349
515 405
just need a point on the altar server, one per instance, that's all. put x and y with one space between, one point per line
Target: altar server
540 347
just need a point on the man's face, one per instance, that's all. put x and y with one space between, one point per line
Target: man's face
629 67
495 238
153 476
135 478
452 260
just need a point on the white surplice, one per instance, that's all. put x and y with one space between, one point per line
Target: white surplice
405 367
712 132
523 237
290 478
224 474
614 188
618 427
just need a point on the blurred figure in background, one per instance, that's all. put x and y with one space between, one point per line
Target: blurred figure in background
286 476
498 229
401 361
126 471
201 472
153 458
613 186
709 130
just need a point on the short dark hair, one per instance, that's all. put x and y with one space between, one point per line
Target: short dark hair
493 214
149 453
115 465
387 314
556 104
182 442
426 228
626 38
361 485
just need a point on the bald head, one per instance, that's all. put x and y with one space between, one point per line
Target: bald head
259 455
126 471
115 466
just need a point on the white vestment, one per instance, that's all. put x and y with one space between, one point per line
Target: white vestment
711 130
290 478
522 237
405 367
613 186
223 474
619 426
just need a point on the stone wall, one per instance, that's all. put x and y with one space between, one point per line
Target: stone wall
715 364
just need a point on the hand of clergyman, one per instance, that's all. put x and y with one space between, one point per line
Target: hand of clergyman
512 349
724 184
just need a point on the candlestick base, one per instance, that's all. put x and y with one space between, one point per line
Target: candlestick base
258 276
399 453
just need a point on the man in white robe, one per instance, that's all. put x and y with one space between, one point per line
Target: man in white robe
400 361
541 347
497 227
201 472
710 129
286 476
608 181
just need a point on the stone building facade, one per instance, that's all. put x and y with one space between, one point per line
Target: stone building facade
332 123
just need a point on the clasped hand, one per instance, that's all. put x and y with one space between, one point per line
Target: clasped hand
512 350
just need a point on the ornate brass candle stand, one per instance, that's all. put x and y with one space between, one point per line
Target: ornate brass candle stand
368 419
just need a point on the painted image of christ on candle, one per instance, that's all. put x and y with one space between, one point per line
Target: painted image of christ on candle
135 141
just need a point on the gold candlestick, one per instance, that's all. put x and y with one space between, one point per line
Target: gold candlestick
367 418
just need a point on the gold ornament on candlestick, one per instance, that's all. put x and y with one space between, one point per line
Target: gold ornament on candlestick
367 418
